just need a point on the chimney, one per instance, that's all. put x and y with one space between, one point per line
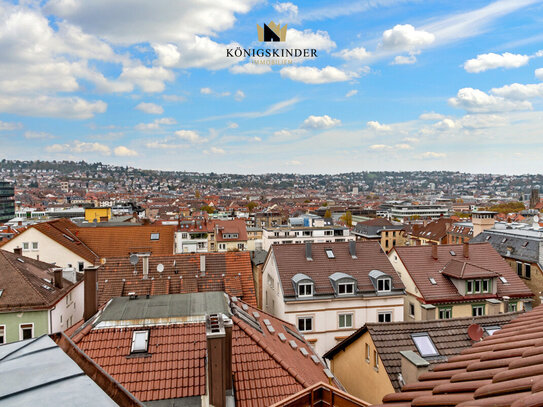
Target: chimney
57 274
203 265
18 251
352 249
91 292
466 250
434 251
228 324
216 359
308 251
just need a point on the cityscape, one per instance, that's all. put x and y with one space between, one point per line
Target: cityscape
271 203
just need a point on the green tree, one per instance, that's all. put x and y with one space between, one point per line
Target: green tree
251 206
197 194
328 214
347 218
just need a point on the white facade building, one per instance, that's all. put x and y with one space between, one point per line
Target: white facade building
303 234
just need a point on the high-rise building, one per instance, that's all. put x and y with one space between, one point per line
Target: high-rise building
7 202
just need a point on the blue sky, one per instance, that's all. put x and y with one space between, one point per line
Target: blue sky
396 85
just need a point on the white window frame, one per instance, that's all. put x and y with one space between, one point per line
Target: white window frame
382 280
21 329
145 335
37 246
345 284
305 284
345 315
379 313
305 318
27 244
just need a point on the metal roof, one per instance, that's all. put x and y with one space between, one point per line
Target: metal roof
38 372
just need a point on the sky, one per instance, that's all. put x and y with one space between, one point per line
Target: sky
395 85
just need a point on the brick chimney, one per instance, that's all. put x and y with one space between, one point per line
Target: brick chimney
219 359
57 275
434 251
91 292
18 251
466 250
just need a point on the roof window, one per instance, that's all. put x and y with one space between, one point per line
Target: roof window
433 280
330 254
503 279
140 341
155 236
425 345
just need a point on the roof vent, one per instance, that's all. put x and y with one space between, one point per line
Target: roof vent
281 335
304 352
293 344
315 359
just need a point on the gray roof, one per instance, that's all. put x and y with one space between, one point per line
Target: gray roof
36 372
182 306
516 244
339 275
300 277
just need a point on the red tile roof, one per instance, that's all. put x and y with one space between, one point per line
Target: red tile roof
229 271
435 230
464 270
291 259
421 266
26 283
118 241
237 226
504 369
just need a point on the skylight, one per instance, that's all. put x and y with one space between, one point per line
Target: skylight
140 341
503 280
424 345
1 292
491 329
452 253
330 254
433 281
155 236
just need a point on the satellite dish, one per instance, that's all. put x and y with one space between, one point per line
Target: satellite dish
160 267
134 259
475 332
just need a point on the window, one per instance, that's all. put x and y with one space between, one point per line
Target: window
412 310
425 345
512 307
241 246
375 360
367 352
222 246
305 290
477 286
26 331
528 271
345 288
503 280
469 286
34 245
432 280
155 236
25 245
140 341
477 310
305 324
384 316
2 334
384 284
519 269
330 254
345 320
491 329
445 313
486 286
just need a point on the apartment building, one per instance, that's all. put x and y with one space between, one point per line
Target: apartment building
304 234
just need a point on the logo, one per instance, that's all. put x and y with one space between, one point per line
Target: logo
272 32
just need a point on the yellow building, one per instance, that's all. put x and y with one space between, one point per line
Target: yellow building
97 214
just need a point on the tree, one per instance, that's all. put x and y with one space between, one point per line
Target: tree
197 194
208 209
251 206
328 214
325 204
347 218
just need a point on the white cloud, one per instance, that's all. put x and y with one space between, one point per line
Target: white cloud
174 98
215 150
539 73
351 93
37 135
406 38
232 125
156 124
356 54
320 122
293 162
276 108
286 8
411 139
432 155
386 147
379 147
190 135
374 125
79 147
10 126
404 60
319 40
122 151
445 124
403 146
150 108
519 91
239 95
485 62
314 75
431 116
477 101
250 68
46 106
206 91
149 79
256 138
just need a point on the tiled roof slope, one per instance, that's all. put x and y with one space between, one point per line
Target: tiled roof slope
450 336
229 271
122 240
267 369
291 260
421 266
464 270
26 283
516 246
504 369
435 230
230 226
60 230
173 368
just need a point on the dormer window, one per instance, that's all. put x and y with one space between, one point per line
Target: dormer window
303 285
384 284
345 288
343 284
